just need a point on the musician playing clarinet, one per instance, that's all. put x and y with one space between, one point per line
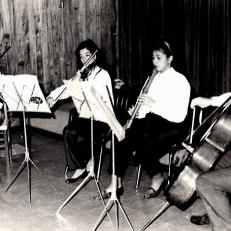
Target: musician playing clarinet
77 134
162 108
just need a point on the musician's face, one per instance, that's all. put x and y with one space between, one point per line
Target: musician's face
84 55
160 60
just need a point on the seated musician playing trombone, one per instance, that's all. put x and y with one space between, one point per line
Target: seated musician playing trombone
77 134
214 186
161 107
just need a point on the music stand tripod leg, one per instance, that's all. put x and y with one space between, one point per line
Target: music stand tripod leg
17 174
25 162
78 188
113 199
158 214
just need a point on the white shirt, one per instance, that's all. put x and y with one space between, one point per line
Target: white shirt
100 79
171 92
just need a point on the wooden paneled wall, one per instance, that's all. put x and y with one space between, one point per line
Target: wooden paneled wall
43 35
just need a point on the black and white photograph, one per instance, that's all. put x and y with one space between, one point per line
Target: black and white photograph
115 115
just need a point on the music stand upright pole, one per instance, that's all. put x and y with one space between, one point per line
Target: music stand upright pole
26 162
113 200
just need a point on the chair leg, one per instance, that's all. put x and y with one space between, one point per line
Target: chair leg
65 173
9 143
138 176
8 151
169 167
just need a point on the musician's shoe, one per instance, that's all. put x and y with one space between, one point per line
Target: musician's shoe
106 195
200 220
75 177
151 192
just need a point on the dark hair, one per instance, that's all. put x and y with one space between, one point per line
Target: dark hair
163 46
89 45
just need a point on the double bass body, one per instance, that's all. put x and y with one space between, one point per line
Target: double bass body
181 191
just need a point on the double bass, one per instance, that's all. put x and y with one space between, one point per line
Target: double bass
215 141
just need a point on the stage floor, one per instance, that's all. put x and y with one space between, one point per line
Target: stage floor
49 191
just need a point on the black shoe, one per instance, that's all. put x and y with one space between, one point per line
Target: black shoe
106 195
151 192
200 220
73 180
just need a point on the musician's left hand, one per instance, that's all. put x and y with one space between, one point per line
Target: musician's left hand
146 100
50 101
130 110
180 157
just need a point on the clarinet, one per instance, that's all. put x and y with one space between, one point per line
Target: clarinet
144 90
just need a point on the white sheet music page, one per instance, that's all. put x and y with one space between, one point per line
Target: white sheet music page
23 93
99 109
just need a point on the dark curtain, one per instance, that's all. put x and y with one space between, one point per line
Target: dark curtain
198 31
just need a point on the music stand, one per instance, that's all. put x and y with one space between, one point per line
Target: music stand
117 130
22 93
97 107
79 93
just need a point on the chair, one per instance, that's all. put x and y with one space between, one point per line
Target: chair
5 140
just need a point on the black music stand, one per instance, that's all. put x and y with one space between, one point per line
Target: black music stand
23 94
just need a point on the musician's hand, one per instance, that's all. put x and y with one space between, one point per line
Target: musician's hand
201 102
78 74
130 110
180 157
146 100
50 101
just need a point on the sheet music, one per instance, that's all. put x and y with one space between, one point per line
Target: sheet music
111 120
98 107
23 93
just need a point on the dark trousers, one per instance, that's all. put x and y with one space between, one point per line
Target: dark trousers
77 141
149 137
213 187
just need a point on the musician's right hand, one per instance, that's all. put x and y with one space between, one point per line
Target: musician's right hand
50 101
145 99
